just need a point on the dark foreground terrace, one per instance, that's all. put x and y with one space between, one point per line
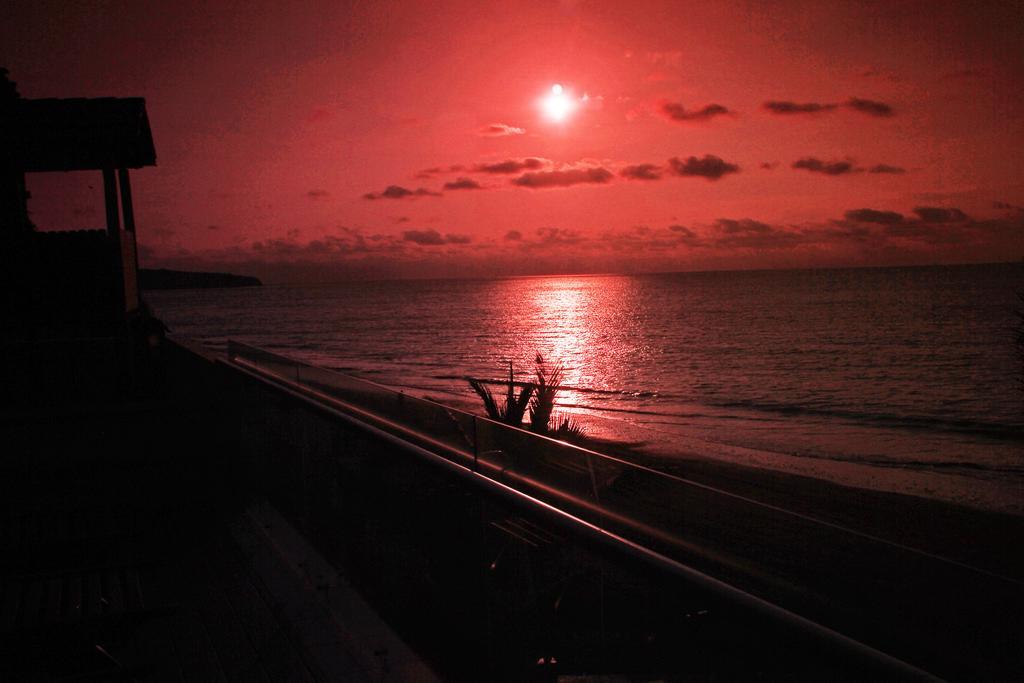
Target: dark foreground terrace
133 551
234 524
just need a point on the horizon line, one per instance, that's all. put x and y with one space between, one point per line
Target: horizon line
616 273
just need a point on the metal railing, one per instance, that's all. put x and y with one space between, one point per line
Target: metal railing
779 562
607 491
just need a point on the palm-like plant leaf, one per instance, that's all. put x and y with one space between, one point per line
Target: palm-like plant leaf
510 396
568 428
514 408
538 397
543 404
490 405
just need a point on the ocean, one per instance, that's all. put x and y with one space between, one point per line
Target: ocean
897 379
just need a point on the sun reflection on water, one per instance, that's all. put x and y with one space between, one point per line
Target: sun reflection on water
562 307
561 311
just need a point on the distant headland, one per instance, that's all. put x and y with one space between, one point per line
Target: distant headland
181 279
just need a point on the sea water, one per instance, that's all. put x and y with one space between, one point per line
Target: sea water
900 379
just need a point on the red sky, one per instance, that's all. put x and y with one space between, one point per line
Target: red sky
713 134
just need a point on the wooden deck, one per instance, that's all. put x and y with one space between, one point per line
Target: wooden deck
196 613
131 552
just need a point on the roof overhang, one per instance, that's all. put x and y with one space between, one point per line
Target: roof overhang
78 134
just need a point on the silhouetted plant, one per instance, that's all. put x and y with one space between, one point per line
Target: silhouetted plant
539 397
568 428
543 404
514 408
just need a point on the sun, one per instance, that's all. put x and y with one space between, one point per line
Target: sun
558 105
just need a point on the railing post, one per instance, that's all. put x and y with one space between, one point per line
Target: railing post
476 447
593 478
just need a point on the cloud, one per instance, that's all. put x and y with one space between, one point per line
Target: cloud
549 240
787 108
641 240
873 216
747 233
935 227
934 214
886 168
429 173
861 237
710 167
398 192
432 238
828 168
348 243
463 184
684 235
498 130
318 194
572 176
844 167
549 236
862 230
869 107
784 107
641 172
513 165
674 111
745 226
926 233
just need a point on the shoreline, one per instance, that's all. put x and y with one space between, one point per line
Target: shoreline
984 494
915 578
671 450
987 539
984 529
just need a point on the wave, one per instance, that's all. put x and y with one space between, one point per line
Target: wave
629 393
961 466
994 430
734 410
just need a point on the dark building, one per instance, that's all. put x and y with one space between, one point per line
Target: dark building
71 305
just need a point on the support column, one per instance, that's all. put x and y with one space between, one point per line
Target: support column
114 234
13 203
110 201
129 246
126 200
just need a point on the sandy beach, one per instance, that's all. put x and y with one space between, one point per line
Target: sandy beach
930 578
933 583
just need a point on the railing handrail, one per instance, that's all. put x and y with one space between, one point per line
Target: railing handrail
233 346
589 529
